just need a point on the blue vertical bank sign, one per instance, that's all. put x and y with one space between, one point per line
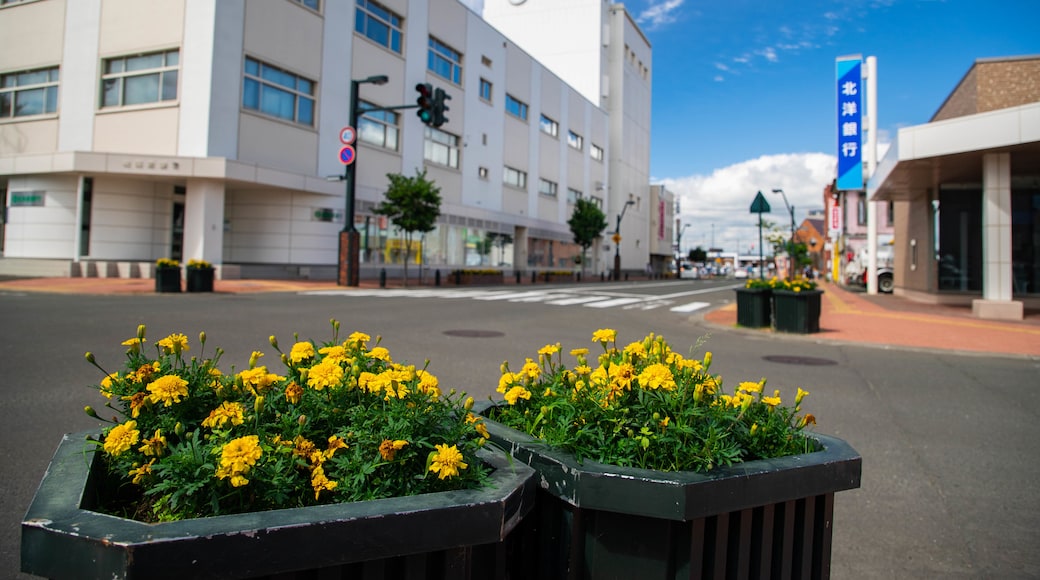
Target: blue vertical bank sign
850 123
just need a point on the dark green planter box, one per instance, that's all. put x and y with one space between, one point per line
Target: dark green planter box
437 535
167 279
754 307
200 279
797 312
758 519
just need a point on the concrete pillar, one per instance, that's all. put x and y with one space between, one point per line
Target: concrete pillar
520 248
996 299
204 221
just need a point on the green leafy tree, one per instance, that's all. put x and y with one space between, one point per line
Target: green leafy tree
698 254
413 205
587 223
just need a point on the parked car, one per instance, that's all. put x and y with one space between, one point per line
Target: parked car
688 271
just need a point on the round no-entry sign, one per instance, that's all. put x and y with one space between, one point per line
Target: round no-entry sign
347 155
347 135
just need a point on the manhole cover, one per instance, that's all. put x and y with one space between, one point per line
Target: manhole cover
474 333
800 360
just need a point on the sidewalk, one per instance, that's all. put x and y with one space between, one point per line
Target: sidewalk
846 316
855 317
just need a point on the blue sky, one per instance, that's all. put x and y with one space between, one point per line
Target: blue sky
744 91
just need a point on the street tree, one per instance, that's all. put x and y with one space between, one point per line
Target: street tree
587 223
698 254
413 205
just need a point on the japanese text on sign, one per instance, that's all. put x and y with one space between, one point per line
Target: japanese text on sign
850 123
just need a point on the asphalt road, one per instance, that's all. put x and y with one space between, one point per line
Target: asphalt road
950 442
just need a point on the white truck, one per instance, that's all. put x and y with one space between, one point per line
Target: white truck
856 269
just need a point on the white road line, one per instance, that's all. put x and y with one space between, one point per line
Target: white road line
614 302
690 307
576 300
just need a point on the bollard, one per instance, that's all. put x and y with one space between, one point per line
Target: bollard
626 276
602 277
579 276
437 278
458 277
382 278
534 277
518 277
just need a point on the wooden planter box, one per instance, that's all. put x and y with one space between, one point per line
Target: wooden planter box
754 307
758 519
167 279
200 279
463 279
797 312
437 535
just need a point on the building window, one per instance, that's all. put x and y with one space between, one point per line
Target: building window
485 90
891 213
482 172
441 148
598 201
139 79
575 141
378 24
379 128
549 126
278 93
312 4
444 61
861 209
573 195
514 177
516 107
27 93
547 188
595 152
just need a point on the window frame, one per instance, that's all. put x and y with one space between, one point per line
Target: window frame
436 139
368 12
387 123
486 95
548 126
548 188
575 141
120 79
12 91
314 5
521 177
573 195
439 52
521 107
595 152
267 83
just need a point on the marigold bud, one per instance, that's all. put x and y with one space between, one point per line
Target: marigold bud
179 429
258 404
91 412
140 332
302 420
707 359
90 357
202 338
469 403
273 341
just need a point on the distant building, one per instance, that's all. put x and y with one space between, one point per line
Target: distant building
132 130
966 193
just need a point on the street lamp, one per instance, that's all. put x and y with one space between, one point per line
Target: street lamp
349 237
790 249
617 240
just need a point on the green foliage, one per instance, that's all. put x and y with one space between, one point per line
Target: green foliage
413 205
647 406
345 423
587 223
698 254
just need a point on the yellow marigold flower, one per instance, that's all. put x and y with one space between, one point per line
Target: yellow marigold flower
367 381
582 370
136 403
134 344
478 425
357 339
428 384
798 397
806 420
167 390
530 369
577 352
750 387
772 401
664 422
549 349
754 428
301 351
237 456
599 377
293 392
604 335
321 483
692 364
379 353
233 413
175 343
327 373
155 446
303 447
258 380
622 374
144 374
507 380
335 353
512 395
446 461
657 376
106 385
388 449
141 472
121 438
335 443
636 349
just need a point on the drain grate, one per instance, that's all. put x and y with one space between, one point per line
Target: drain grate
800 360
466 333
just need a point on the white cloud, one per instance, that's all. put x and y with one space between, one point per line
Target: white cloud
723 199
659 13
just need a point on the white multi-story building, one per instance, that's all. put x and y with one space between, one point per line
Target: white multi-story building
132 130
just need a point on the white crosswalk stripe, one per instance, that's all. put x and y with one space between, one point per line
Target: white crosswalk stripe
553 297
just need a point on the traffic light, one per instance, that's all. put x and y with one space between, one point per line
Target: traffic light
425 102
440 107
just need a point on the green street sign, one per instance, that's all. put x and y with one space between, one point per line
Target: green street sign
760 205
